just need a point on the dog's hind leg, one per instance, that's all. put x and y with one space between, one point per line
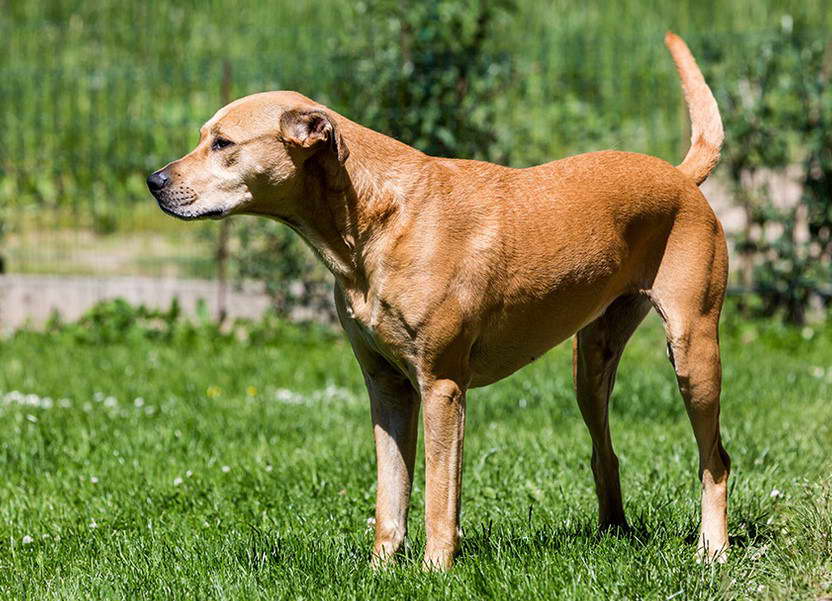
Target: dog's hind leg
597 350
688 293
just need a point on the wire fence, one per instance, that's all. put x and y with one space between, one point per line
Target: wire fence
83 130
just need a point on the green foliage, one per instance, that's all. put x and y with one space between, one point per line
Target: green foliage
236 468
105 221
777 108
427 73
815 91
118 322
269 252
96 94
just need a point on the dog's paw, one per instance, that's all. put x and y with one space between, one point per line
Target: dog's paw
708 556
384 556
438 560
617 526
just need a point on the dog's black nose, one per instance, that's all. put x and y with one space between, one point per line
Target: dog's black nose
157 181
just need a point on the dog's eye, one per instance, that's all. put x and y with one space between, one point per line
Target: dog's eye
220 143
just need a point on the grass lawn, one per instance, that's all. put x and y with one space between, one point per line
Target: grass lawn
190 466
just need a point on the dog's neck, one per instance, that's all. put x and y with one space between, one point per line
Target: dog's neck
347 207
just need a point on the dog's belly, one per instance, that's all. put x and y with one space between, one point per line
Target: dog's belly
522 333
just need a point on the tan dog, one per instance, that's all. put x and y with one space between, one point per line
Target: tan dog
451 274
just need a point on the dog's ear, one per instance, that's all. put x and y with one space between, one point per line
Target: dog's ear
312 129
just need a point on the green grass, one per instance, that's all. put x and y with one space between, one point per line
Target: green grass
219 467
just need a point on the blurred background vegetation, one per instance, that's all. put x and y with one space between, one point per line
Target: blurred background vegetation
96 94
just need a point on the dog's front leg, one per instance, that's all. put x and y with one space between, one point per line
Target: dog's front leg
444 418
395 409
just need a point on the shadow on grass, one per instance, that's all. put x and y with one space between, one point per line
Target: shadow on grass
267 550
489 541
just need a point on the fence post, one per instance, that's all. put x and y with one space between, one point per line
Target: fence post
225 224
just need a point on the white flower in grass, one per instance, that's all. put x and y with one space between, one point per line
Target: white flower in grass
93 524
27 540
775 493
226 469
284 395
371 523
94 480
138 401
177 481
268 468
27 400
189 473
759 553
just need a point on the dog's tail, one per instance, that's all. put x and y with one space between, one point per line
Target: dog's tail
706 125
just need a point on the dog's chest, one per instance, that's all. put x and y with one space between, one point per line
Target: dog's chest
383 329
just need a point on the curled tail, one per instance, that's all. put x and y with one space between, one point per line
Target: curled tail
706 125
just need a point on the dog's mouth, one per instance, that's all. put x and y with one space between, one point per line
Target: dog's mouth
179 202
190 215
193 215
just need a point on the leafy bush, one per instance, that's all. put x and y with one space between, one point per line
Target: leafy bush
271 253
428 74
117 321
777 108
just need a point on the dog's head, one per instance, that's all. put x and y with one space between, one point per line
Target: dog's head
252 157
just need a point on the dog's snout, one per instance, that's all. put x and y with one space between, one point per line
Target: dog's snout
157 181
